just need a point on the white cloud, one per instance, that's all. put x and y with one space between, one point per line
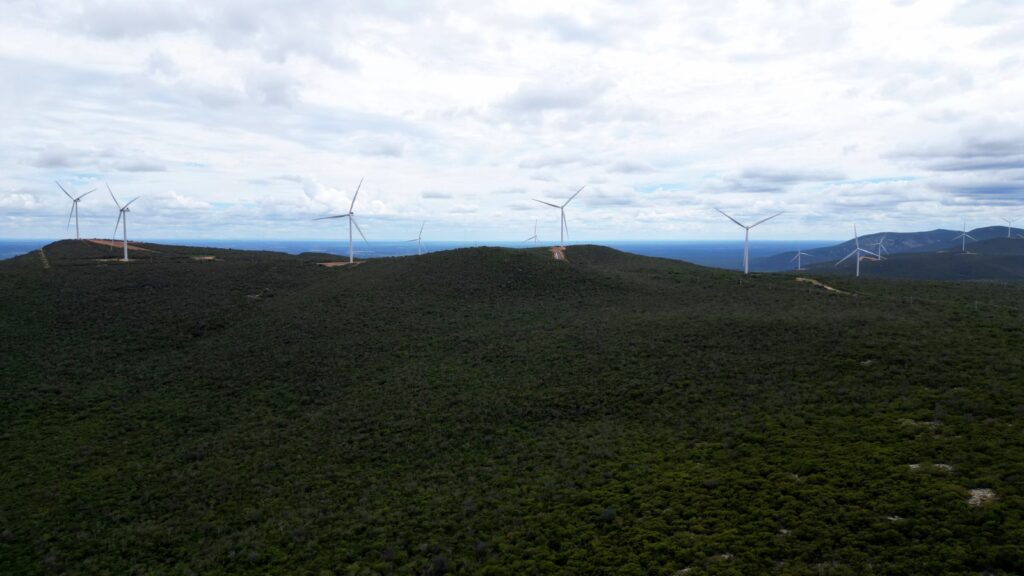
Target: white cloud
463 111
19 201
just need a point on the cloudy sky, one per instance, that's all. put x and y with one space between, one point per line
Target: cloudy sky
248 119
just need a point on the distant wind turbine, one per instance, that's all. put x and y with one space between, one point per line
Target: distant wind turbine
1009 225
351 222
964 236
122 214
418 240
564 228
856 251
799 260
534 237
746 237
74 207
880 247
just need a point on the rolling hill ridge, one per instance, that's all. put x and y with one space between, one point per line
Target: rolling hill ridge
494 411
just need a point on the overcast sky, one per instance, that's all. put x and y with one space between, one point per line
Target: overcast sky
247 119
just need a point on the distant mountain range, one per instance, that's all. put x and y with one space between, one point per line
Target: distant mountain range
997 259
897 243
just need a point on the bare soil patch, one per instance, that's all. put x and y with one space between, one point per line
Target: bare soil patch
820 285
337 264
981 496
119 244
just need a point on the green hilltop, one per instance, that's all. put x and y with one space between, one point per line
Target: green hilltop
494 411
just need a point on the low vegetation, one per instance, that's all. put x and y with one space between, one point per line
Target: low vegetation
494 411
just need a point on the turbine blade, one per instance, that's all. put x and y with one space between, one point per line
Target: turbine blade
971 237
133 200
735 221
86 194
360 230
114 197
329 217
356 195
64 191
70 214
119 215
565 224
548 203
573 196
766 219
846 257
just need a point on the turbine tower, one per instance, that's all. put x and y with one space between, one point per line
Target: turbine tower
74 207
534 237
856 251
1009 224
122 214
746 237
799 260
564 228
418 240
964 236
351 222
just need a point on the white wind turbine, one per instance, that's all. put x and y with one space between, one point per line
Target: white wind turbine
351 222
564 228
964 235
1009 225
534 237
74 207
799 260
746 237
419 240
122 214
856 251
880 247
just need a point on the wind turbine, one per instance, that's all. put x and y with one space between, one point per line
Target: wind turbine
1009 225
856 251
418 240
74 207
534 237
797 257
880 247
964 235
564 229
351 222
122 214
746 237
